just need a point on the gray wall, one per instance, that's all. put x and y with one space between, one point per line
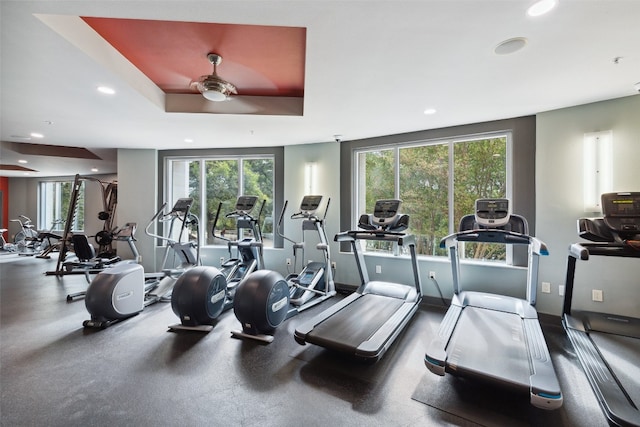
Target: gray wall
559 201
137 194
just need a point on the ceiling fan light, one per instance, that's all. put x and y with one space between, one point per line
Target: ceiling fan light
212 87
215 89
214 95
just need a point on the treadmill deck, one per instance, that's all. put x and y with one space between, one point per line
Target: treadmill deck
491 345
355 323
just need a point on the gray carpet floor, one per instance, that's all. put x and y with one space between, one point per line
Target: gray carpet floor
53 372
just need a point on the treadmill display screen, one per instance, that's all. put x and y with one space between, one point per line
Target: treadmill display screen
626 204
622 212
492 212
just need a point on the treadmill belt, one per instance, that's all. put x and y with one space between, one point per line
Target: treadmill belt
622 354
355 323
490 345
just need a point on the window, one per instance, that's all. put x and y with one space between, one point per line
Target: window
214 180
55 198
438 182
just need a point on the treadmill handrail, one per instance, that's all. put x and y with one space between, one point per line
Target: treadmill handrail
536 248
578 251
582 251
401 238
495 236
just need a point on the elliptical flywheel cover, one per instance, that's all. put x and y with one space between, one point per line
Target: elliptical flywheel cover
198 296
261 301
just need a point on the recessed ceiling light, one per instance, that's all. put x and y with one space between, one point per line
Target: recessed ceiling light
188 140
106 90
541 7
37 135
94 169
23 161
510 46
430 111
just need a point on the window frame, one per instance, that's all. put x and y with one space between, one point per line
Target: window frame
240 154
44 222
450 143
520 165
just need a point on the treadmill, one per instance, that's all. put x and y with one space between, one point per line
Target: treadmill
491 337
367 322
608 345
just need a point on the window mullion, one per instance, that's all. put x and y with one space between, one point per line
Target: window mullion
396 153
202 215
240 176
451 202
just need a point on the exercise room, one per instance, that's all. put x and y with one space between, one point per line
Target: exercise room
349 213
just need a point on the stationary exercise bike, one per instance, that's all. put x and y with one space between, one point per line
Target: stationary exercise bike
124 290
265 300
26 240
203 293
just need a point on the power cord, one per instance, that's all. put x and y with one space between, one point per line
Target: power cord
444 303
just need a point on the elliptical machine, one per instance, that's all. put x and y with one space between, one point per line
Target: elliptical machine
265 299
124 290
249 250
203 293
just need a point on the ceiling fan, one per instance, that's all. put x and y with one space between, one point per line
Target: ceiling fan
213 87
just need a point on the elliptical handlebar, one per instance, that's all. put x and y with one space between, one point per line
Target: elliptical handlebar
240 214
153 220
259 237
326 209
215 222
182 206
279 227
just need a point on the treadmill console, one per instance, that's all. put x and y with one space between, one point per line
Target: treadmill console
622 212
310 204
244 204
385 212
493 213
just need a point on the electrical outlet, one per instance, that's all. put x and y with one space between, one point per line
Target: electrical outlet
561 290
378 269
288 261
597 295
333 265
432 275
546 287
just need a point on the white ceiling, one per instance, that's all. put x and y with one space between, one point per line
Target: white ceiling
372 68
